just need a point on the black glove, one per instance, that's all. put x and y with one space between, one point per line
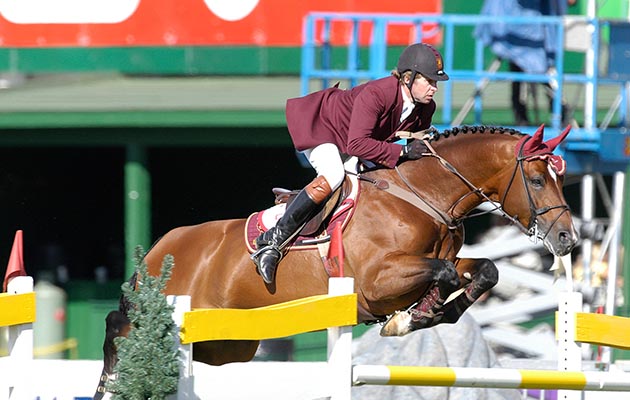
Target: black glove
414 150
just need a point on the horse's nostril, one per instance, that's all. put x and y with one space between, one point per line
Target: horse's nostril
566 238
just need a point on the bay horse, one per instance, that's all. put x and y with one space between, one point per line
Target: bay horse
400 245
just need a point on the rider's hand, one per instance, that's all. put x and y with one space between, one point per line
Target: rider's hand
414 150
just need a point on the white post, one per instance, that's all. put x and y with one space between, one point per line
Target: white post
186 384
569 352
340 346
567 264
588 212
20 343
21 336
589 66
613 253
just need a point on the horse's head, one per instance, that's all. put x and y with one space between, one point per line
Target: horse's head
534 195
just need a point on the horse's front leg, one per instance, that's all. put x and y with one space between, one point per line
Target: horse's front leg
476 275
482 275
441 278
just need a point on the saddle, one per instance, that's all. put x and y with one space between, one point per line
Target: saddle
336 210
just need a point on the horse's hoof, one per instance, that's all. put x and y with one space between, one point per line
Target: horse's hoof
398 324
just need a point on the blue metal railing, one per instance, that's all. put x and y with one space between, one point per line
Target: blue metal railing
318 48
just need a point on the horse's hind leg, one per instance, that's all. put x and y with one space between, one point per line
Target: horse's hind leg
483 275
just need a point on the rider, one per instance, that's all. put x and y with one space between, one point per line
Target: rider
332 125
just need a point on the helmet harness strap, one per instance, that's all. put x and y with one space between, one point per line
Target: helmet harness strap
410 84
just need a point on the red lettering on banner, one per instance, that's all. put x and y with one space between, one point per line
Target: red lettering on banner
192 23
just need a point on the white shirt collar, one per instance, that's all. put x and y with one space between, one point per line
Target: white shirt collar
408 106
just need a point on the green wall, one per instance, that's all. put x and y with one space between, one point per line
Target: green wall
154 60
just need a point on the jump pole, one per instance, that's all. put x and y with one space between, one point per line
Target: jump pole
501 378
336 312
573 327
569 379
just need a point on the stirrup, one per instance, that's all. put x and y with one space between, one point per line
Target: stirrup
254 256
266 260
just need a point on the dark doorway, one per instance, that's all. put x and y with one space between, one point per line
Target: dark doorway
70 202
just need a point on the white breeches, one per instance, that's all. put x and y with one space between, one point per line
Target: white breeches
330 163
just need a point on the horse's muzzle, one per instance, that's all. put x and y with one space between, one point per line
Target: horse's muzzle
561 243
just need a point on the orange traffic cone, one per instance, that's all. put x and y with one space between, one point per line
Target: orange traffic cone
16 261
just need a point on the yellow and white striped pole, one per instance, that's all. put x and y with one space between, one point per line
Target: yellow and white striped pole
488 378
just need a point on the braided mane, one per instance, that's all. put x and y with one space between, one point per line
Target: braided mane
466 129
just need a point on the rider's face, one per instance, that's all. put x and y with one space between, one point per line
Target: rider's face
423 89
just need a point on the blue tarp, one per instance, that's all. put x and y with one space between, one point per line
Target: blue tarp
531 46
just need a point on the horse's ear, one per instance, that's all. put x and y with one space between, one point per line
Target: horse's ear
537 139
553 143
535 143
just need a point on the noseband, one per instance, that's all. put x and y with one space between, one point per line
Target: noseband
532 227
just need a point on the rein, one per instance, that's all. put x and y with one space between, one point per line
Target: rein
413 197
473 191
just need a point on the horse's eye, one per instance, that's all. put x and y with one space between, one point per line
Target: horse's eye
537 181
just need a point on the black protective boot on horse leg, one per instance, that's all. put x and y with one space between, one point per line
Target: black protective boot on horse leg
484 279
271 244
427 311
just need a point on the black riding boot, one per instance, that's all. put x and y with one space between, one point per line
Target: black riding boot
270 244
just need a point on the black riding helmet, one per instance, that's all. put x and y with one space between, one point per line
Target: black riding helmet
424 59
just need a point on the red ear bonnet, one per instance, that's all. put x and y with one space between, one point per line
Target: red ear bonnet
535 144
535 148
553 143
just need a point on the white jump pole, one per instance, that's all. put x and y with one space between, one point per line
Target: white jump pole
340 346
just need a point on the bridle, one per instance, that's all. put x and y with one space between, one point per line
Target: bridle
532 228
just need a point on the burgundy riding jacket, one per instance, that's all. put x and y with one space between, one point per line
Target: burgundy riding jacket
361 121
